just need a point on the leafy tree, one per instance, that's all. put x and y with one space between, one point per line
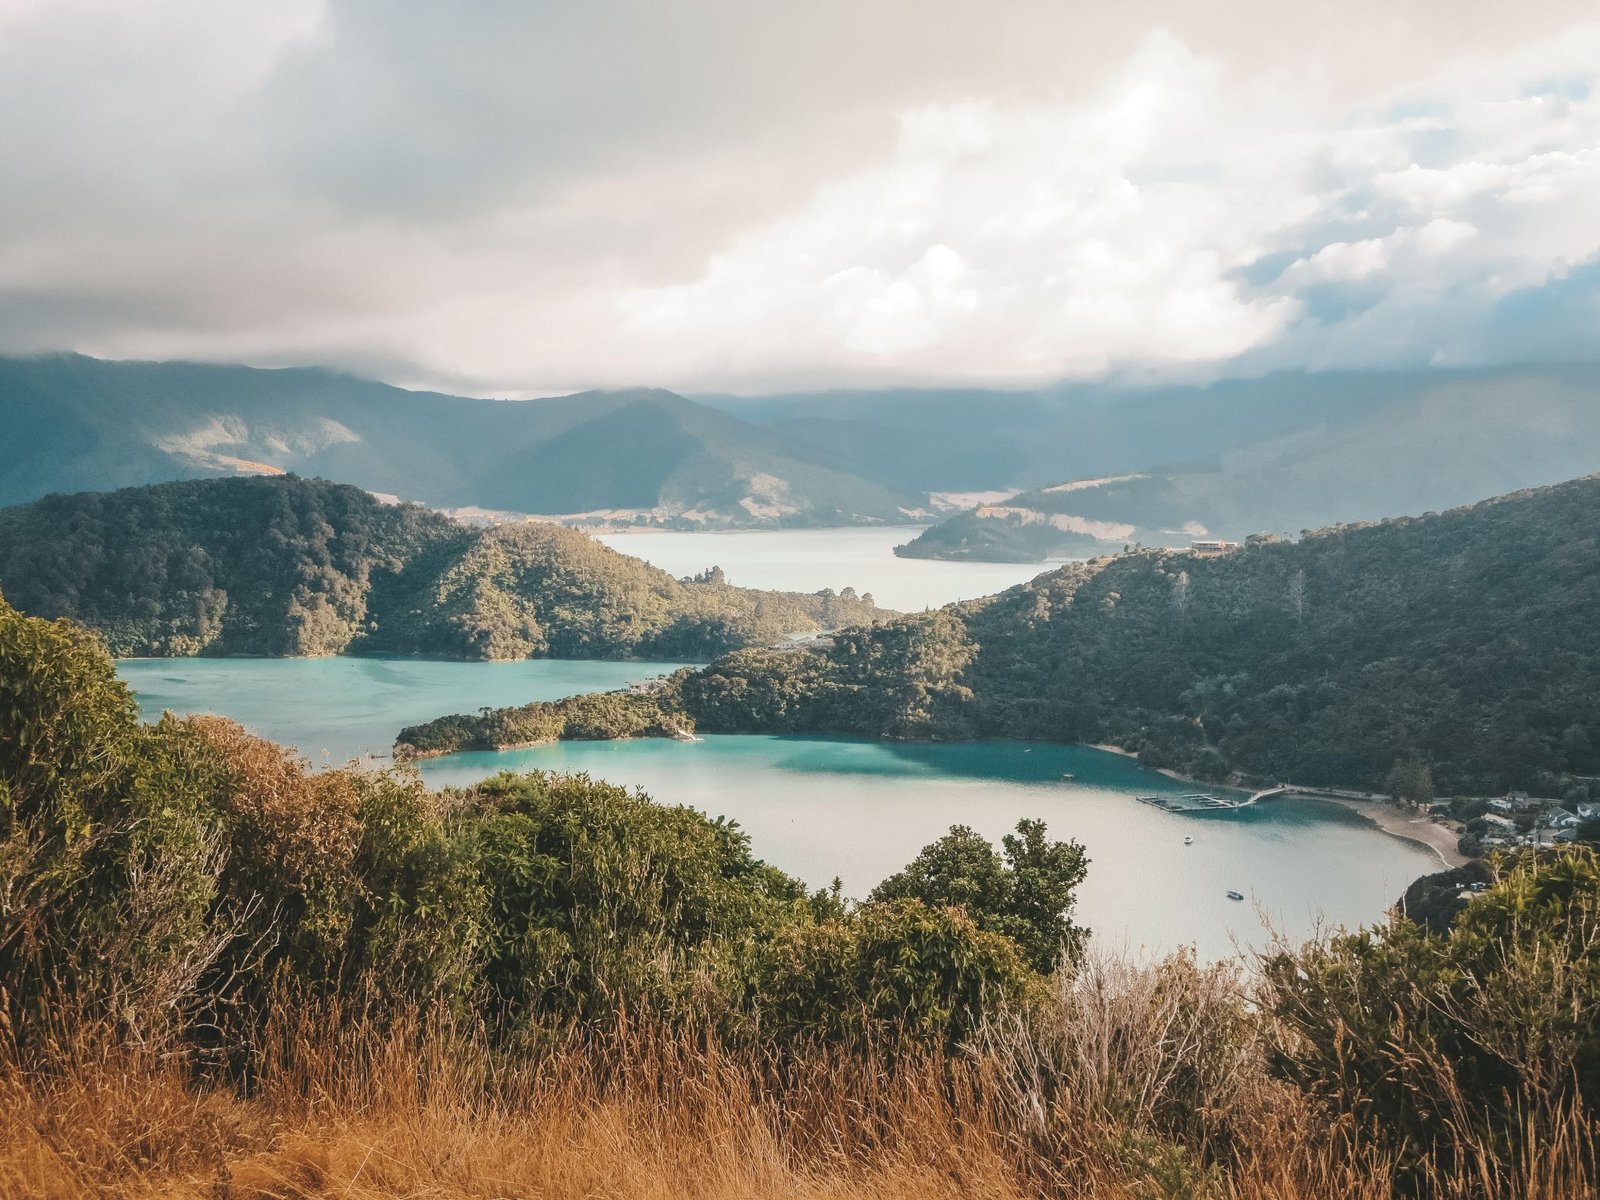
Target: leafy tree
1410 780
1028 896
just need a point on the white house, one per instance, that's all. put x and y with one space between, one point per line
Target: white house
1501 804
1590 808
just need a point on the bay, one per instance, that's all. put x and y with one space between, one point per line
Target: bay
334 709
858 809
807 560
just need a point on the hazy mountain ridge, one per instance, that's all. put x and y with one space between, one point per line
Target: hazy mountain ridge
285 566
1458 438
77 423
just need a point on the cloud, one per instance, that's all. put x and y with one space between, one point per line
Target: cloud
542 197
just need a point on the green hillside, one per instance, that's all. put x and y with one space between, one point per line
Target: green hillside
288 566
76 423
1463 641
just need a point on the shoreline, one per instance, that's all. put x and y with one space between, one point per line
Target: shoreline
1386 817
1424 831
1415 828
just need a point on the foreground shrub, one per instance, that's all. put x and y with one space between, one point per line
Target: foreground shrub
1028 896
108 859
1463 1050
891 970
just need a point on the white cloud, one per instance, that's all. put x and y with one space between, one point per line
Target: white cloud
699 195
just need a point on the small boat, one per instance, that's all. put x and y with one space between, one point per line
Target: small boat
1187 840
1069 778
1233 895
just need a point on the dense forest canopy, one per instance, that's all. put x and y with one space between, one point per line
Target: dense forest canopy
1465 640
289 566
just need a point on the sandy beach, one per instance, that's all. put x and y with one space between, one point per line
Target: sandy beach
1394 820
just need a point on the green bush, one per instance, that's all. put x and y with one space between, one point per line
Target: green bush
108 860
1467 1041
1028 896
889 970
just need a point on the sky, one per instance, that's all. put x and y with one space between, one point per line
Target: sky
521 198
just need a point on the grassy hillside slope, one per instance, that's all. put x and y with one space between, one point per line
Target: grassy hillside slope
287 566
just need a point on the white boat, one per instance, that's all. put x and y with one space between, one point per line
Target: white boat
1188 841
1233 895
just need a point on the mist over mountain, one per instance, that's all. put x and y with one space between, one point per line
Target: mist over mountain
75 423
1086 467
1284 454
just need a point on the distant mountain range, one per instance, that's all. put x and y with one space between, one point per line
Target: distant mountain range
1062 471
73 423
1360 448
298 567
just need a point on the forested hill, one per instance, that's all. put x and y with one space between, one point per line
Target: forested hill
74 423
289 566
1466 641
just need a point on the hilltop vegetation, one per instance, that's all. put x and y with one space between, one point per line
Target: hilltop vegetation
222 973
1463 641
74 423
287 566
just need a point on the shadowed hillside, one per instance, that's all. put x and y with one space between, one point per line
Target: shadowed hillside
1355 448
288 566
74 423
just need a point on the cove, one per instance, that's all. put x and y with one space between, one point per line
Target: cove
859 809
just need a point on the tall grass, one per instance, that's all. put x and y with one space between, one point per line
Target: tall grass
1131 1082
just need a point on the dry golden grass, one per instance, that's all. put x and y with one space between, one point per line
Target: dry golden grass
1091 1099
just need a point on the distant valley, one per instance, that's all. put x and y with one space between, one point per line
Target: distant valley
1381 448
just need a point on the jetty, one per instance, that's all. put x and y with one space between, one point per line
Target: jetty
1196 802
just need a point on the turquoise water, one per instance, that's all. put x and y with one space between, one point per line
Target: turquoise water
333 709
858 809
805 560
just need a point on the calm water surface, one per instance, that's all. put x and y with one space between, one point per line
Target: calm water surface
858 809
807 560
340 708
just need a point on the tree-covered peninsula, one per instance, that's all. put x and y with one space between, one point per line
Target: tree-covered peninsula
286 566
1463 641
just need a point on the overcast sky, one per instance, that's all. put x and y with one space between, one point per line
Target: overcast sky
751 195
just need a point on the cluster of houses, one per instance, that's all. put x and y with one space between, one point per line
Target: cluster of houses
1518 819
